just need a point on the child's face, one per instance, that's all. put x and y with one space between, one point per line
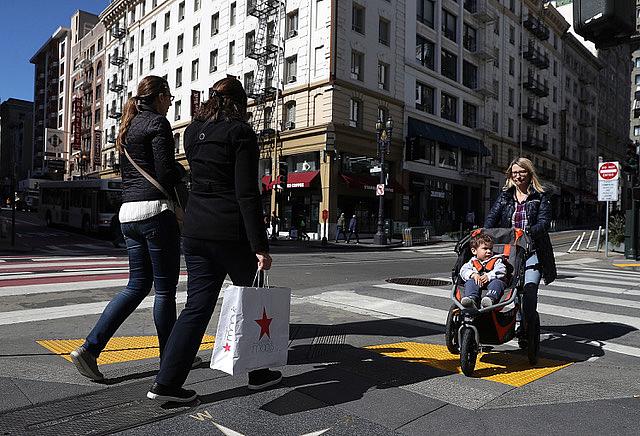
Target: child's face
483 252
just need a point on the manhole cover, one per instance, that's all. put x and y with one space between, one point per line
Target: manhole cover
417 281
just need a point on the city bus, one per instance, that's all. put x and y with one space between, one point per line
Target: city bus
88 205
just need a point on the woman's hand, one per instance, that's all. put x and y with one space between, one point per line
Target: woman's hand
264 261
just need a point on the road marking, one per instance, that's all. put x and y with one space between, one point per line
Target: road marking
10 266
625 265
85 272
606 290
60 259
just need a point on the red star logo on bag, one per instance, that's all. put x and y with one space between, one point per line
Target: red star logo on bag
227 347
264 324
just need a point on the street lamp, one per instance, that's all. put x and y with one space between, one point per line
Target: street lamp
383 138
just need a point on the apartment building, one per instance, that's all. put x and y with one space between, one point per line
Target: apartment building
16 143
635 86
85 116
51 81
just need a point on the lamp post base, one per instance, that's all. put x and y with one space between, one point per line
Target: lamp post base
380 239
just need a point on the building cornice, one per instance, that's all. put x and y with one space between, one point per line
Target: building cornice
116 10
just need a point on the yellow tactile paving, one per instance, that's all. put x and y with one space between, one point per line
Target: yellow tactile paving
625 265
508 368
118 349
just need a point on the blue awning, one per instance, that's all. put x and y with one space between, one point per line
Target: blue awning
446 136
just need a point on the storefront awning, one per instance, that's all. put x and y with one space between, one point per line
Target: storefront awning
302 179
446 136
369 183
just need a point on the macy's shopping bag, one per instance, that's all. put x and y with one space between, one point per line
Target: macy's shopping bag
253 329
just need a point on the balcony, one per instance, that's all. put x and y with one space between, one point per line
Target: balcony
118 60
263 8
487 89
85 63
118 32
534 143
479 9
484 127
534 115
535 86
115 86
84 84
536 56
115 113
535 26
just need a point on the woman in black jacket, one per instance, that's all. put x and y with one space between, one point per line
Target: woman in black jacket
524 204
147 220
223 230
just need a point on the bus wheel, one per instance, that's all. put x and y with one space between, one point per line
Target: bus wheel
47 219
85 225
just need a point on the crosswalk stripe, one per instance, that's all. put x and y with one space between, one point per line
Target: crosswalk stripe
49 259
86 272
15 266
597 272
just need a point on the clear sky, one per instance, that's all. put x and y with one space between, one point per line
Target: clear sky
24 26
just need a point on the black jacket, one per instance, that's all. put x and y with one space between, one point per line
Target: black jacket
539 213
149 142
224 202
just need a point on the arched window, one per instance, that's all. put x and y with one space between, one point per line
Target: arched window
290 115
99 69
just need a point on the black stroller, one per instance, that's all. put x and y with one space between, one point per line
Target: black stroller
470 330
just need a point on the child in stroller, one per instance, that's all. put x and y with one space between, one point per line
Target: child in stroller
483 271
468 329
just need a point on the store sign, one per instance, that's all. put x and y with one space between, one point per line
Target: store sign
77 123
195 101
97 148
437 194
608 178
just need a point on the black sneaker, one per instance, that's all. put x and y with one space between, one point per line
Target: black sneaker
165 393
263 378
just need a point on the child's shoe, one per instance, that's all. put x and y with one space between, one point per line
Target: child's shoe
487 301
468 302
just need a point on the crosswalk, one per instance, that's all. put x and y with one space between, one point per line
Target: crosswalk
587 306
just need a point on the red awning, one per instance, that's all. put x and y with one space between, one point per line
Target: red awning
369 183
294 180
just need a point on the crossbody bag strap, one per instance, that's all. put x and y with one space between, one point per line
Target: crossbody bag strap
146 175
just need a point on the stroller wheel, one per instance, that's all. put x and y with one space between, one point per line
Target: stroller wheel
451 330
533 339
468 351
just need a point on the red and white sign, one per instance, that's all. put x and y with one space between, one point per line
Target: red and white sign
380 189
608 171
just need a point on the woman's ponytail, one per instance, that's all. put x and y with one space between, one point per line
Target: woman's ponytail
130 111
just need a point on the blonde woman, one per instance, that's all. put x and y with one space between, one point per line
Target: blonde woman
524 204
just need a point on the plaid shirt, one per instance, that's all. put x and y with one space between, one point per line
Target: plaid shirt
519 218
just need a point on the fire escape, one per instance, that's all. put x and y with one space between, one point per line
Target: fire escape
117 84
268 53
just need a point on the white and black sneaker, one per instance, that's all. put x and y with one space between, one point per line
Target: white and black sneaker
164 393
86 364
468 302
263 378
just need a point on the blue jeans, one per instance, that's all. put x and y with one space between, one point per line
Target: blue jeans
495 289
532 276
208 263
153 246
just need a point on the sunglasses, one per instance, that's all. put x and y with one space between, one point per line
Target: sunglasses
519 173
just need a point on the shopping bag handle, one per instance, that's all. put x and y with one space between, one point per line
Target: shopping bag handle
261 279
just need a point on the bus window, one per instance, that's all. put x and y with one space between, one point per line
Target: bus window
109 201
76 198
86 198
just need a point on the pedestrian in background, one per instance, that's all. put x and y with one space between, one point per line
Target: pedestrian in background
223 155
340 227
353 229
524 204
148 222
274 225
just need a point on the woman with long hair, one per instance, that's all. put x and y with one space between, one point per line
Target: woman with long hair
223 230
147 220
523 203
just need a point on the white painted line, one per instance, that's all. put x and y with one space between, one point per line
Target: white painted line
27 265
603 289
71 286
46 275
593 271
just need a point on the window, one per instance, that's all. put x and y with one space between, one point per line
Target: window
248 81
425 12
180 45
100 44
249 43
637 63
177 109
268 80
555 94
130 71
469 75
496 60
553 120
510 128
291 67
637 79
195 66
181 11
496 26
132 44
232 52
165 52
384 31
424 52
449 24
213 61
98 92
469 115
636 130
167 20
448 107
555 68
383 76
142 38
354 113
511 97
383 113
357 18
469 37
179 77
153 30
152 60
232 14
290 115
196 35
291 26
424 97
140 67
512 66
448 156
215 24
196 5
357 65
449 65
495 124
512 35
